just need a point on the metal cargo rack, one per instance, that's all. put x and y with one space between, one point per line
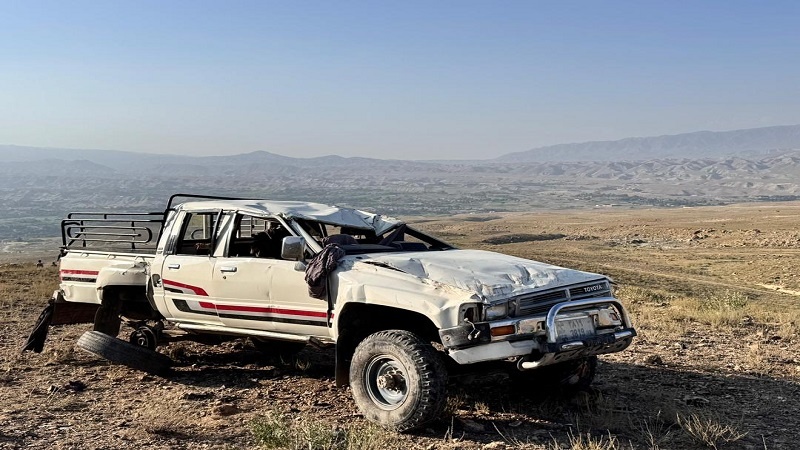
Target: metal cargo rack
130 231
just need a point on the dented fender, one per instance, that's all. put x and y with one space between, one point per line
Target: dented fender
128 273
361 282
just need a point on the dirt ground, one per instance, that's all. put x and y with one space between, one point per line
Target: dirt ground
714 293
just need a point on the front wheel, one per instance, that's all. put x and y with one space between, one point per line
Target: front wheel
398 380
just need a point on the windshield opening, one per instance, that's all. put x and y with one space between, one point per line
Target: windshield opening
401 238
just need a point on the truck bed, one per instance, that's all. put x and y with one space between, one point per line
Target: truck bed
94 241
80 269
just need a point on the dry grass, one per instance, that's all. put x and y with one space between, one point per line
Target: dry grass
654 309
19 282
482 408
656 431
278 431
708 431
599 411
455 401
651 310
586 441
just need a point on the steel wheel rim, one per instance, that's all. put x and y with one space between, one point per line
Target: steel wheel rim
144 338
385 380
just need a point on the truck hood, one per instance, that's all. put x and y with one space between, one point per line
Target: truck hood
492 276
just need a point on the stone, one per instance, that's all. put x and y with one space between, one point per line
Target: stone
226 410
654 360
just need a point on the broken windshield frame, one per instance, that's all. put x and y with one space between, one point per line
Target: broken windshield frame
399 238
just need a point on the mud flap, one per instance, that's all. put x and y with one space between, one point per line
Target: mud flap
35 342
58 312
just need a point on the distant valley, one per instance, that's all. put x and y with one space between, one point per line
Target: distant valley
40 185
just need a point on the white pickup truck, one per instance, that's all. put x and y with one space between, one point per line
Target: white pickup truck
402 308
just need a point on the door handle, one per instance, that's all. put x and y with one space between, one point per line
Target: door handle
227 269
174 266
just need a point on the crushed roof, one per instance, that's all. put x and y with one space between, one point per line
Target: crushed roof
333 215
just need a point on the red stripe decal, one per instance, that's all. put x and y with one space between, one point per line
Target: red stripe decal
195 289
206 305
78 272
260 309
300 313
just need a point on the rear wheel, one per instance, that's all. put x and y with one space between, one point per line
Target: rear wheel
125 353
144 336
398 380
106 319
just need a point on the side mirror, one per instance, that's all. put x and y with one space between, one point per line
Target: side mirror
292 248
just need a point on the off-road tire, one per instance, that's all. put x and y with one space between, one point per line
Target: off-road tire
568 376
106 319
423 372
285 351
125 353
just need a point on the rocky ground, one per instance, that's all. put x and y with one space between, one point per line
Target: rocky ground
714 294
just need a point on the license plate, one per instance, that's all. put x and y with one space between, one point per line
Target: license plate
574 329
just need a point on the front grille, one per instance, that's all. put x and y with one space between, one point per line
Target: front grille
541 302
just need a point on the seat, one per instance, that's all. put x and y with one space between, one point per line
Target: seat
339 239
410 246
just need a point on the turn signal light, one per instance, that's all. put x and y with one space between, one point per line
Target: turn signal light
504 330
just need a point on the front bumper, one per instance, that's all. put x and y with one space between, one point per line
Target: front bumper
535 341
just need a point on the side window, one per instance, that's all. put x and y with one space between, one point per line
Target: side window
257 237
197 237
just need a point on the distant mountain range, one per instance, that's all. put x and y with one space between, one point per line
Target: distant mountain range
18 159
702 144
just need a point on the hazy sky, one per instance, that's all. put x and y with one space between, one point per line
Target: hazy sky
402 79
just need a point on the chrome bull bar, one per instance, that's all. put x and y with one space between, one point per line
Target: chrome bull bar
550 322
562 351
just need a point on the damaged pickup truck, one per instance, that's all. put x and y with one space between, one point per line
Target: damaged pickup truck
402 308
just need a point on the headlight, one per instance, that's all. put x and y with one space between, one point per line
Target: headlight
497 311
608 317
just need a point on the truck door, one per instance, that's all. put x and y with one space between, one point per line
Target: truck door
254 282
188 265
296 312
